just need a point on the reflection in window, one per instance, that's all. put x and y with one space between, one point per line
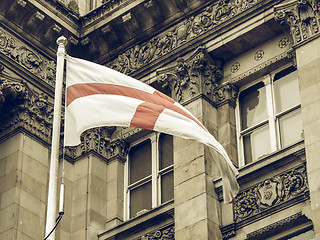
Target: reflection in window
270 115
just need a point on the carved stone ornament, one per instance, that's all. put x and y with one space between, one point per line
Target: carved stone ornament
21 107
271 193
23 55
117 150
188 78
93 140
163 234
225 93
301 16
193 27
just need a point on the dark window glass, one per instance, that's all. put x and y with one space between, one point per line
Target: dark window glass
167 187
140 198
140 161
165 150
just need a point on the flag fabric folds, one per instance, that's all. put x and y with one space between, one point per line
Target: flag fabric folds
98 96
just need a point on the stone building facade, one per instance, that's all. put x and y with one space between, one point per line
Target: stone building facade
247 69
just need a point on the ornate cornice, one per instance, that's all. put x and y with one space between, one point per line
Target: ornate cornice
199 74
36 63
181 34
301 17
270 195
279 226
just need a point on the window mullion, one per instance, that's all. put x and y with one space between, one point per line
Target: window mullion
271 116
155 160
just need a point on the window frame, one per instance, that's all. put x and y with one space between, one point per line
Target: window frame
155 178
272 120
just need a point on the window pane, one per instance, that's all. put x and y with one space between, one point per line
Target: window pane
256 144
290 128
253 106
165 150
167 187
140 198
286 91
140 161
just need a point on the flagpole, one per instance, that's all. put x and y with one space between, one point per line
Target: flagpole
54 160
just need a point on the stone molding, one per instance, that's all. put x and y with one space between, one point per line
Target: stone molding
181 34
301 17
283 56
281 191
199 74
26 57
279 226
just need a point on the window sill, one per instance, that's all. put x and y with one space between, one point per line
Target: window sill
266 165
138 226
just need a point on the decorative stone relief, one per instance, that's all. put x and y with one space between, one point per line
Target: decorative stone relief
258 55
271 193
194 26
301 16
284 42
37 64
163 234
117 150
23 108
199 74
226 93
93 140
235 67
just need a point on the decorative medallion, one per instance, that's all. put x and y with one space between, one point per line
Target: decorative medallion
258 55
235 67
283 43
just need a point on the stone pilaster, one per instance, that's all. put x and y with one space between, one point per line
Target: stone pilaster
192 82
226 95
116 154
23 187
302 18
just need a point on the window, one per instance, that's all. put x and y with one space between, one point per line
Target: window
270 115
149 180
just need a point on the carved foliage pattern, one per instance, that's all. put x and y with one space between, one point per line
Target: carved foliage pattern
22 107
271 192
302 17
27 58
95 139
163 234
192 27
197 75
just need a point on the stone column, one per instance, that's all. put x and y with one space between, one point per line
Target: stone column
192 82
302 18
